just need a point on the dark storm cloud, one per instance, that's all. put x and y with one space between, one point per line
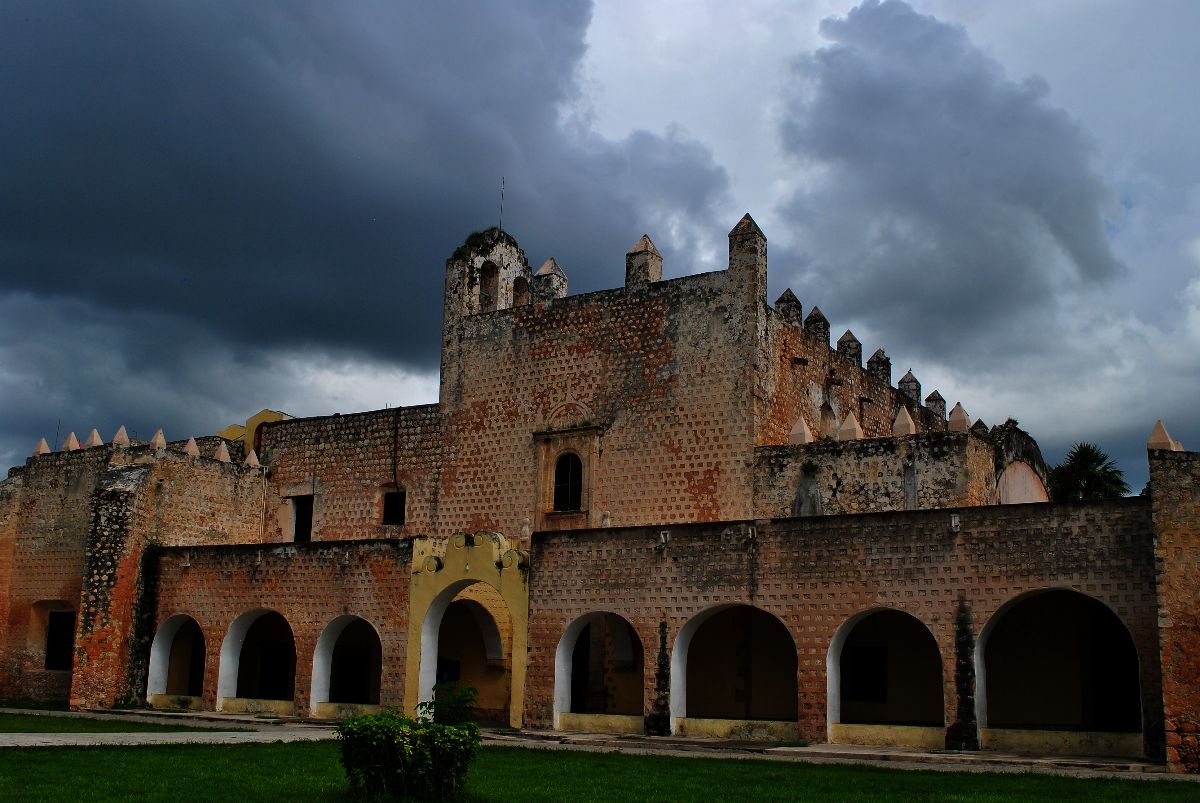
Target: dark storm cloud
299 171
211 180
947 203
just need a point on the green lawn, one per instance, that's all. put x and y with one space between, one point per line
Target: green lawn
310 771
34 723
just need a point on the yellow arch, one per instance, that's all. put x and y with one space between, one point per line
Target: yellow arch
441 569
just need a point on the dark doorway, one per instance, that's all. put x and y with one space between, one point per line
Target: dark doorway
185 670
607 668
1061 660
267 667
742 665
60 640
891 672
356 665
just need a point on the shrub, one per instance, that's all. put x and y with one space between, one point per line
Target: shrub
390 754
452 704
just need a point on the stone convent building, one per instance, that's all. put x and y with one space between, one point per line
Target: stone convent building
663 508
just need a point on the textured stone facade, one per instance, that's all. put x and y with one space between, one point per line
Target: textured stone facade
815 574
605 478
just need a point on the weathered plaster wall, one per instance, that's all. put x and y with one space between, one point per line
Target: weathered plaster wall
347 462
915 472
45 516
664 370
816 573
148 499
1175 497
310 585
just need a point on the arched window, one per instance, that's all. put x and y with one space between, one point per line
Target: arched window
489 276
520 292
568 483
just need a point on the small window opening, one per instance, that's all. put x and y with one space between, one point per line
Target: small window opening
489 276
302 510
568 483
520 292
393 507
60 640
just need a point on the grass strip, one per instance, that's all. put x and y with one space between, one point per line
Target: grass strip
48 723
310 771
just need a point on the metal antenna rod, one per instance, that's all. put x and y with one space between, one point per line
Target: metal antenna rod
502 203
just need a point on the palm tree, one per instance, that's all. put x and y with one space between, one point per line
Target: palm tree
1087 473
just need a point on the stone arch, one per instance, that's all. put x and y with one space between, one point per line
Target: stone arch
1019 484
903 666
762 720
177 660
623 653
445 569
1057 670
235 686
347 666
471 649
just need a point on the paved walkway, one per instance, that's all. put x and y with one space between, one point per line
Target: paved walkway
286 729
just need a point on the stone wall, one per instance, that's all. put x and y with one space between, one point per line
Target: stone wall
804 373
1175 495
310 585
816 573
915 472
45 515
148 499
347 462
663 372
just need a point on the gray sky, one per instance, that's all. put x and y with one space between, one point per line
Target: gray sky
211 207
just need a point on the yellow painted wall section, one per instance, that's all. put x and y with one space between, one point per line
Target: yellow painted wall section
889 736
444 567
1069 743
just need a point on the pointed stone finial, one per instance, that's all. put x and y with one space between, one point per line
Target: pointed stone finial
251 459
910 387
41 448
550 281
70 444
800 432
790 308
747 226
979 428
1160 438
850 429
121 438
549 267
643 263
849 347
159 441
903 425
748 253
936 405
959 420
817 325
1179 446
222 453
94 439
880 367
190 448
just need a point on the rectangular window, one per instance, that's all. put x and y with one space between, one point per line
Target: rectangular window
302 511
393 507
60 640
